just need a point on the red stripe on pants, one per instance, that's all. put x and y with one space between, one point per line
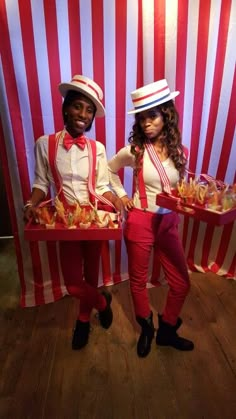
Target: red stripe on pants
80 268
143 231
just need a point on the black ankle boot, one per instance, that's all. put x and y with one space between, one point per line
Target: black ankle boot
147 334
178 323
167 336
80 335
106 316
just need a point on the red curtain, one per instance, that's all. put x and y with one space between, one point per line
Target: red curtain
122 45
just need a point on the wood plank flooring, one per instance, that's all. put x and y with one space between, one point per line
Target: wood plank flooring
41 377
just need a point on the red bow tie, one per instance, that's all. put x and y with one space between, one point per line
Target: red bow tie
69 141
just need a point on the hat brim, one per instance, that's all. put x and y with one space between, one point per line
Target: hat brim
65 87
153 104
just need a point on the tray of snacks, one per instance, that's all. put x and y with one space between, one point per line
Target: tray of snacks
204 201
54 222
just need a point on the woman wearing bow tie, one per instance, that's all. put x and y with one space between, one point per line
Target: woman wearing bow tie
63 163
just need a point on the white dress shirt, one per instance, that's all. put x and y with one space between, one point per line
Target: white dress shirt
73 168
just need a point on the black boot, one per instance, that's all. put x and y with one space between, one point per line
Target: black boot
167 336
80 335
178 323
147 334
106 316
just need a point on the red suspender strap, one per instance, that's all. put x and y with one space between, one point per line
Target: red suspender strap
158 165
142 190
53 141
92 156
163 176
92 152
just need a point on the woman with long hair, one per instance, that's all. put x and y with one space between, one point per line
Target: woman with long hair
158 158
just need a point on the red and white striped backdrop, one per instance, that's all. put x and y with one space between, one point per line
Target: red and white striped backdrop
122 45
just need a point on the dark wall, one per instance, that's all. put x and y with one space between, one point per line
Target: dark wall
5 224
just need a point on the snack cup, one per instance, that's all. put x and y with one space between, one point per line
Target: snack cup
102 214
50 226
85 225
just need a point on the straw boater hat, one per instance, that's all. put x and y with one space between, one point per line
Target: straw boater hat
88 88
151 95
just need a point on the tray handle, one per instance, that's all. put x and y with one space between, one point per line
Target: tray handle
184 208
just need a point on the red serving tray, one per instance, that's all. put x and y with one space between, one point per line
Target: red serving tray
38 232
196 211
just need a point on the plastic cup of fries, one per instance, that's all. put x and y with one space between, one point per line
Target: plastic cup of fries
211 202
207 195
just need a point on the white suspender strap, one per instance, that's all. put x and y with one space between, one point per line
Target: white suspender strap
159 166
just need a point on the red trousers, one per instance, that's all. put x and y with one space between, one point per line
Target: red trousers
80 269
143 232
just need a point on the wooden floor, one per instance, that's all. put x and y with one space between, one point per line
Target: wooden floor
41 377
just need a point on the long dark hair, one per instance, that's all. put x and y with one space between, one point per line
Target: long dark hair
170 136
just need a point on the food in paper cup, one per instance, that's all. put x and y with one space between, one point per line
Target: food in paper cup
46 215
85 225
50 226
75 216
102 213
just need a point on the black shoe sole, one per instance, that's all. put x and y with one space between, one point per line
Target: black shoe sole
176 346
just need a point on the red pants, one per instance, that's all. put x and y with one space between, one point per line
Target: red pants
144 231
80 268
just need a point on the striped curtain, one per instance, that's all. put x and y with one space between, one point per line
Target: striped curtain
121 44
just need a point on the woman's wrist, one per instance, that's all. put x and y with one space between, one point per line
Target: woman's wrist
110 196
28 204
